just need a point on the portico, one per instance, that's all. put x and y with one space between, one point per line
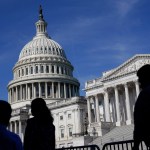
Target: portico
111 98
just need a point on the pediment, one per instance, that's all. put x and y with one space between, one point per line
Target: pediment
129 66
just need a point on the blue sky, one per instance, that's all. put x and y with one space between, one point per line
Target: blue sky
97 35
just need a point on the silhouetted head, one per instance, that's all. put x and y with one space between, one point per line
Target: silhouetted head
144 76
40 110
5 112
37 106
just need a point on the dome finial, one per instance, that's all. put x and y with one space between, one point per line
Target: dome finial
40 13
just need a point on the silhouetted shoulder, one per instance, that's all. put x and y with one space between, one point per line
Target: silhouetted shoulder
10 140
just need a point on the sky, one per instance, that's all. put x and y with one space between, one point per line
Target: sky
97 35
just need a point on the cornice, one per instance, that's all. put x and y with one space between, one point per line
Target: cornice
42 78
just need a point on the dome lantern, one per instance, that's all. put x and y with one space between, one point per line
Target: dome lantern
41 25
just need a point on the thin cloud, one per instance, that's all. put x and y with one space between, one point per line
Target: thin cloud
125 6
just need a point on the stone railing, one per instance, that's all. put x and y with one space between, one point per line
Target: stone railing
67 101
94 82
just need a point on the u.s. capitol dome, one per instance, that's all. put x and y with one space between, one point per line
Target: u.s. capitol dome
42 70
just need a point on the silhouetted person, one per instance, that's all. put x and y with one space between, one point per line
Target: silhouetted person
8 140
40 131
142 109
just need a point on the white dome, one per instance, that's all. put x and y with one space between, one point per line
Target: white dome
41 45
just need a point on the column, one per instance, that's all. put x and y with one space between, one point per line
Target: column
118 123
20 128
69 90
34 87
11 126
78 122
15 123
45 89
26 95
106 105
9 96
39 89
89 110
65 90
12 94
28 92
127 102
97 109
16 93
137 88
20 92
52 89
33 90
59 90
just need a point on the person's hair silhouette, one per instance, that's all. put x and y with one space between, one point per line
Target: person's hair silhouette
142 109
5 112
40 131
8 140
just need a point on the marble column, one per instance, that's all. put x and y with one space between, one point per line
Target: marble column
78 122
13 98
52 89
28 97
11 126
20 92
16 93
69 90
39 89
128 110
106 105
46 90
137 88
33 91
34 88
20 128
65 96
15 123
89 110
118 123
59 90
97 109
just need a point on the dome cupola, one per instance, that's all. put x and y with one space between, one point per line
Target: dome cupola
42 44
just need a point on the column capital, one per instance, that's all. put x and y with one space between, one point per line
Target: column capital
105 90
125 84
136 81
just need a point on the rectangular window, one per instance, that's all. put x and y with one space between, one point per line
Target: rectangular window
52 69
61 117
62 133
42 69
69 116
47 69
26 71
31 69
22 72
36 69
70 131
